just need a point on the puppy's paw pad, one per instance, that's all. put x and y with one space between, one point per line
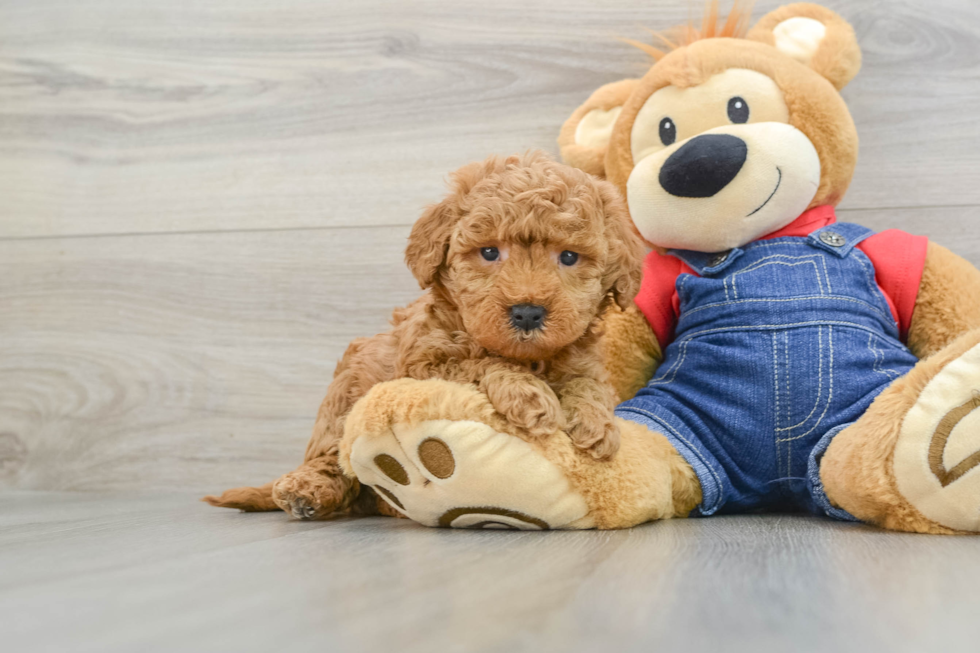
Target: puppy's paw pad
463 474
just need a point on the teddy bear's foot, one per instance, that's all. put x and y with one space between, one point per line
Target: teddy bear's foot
912 462
434 451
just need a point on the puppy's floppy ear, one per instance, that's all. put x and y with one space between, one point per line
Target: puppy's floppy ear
584 137
816 37
429 240
624 262
428 243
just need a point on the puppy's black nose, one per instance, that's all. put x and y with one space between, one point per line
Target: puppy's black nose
527 317
703 165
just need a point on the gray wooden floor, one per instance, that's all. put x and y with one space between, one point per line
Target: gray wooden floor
201 203
84 572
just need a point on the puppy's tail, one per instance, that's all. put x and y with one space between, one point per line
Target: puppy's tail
248 499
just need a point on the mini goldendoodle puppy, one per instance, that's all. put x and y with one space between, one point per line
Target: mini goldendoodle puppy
520 261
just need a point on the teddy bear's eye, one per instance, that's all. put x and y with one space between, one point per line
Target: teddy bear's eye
738 110
568 258
489 253
668 131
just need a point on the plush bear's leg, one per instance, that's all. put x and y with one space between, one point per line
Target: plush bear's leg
439 454
912 462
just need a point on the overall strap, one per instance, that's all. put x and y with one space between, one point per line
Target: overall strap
839 238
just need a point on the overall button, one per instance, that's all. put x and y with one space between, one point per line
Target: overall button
718 259
832 238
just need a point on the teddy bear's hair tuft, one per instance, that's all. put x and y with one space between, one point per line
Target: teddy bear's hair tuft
736 25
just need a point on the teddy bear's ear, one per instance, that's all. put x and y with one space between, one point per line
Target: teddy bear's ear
585 135
815 36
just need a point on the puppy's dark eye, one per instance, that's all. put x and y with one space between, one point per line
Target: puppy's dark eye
738 110
668 131
568 258
489 253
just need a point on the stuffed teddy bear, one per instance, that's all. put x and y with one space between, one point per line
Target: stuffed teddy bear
801 363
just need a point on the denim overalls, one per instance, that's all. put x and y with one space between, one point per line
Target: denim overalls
779 346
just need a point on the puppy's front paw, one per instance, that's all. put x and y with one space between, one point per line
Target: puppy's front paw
592 428
530 407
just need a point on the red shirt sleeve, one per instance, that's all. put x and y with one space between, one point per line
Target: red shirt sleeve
899 259
657 299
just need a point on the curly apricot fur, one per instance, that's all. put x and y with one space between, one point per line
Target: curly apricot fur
532 209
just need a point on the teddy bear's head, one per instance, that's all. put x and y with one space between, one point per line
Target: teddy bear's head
728 137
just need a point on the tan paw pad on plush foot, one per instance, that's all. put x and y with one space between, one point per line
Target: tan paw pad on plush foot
937 456
463 474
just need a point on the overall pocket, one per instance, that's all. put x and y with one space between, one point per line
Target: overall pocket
803 382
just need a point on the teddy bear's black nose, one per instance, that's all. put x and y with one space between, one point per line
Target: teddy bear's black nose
703 166
527 317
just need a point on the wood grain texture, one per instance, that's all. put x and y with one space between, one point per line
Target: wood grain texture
91 573
201 204
122 117
160 361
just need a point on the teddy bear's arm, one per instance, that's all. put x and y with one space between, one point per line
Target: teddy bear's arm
630 350
948 303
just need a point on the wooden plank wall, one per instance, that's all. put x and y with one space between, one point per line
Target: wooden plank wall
202 203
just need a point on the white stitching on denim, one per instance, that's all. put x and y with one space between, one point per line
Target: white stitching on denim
693 449
681 289
787 394
761 327
789 447
868 274
786 368
807 244
775 372
779 242
801 260
874 351
816 404
836 298
673 368
873 288
823 262
830 391
761 263
788 453
889 372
